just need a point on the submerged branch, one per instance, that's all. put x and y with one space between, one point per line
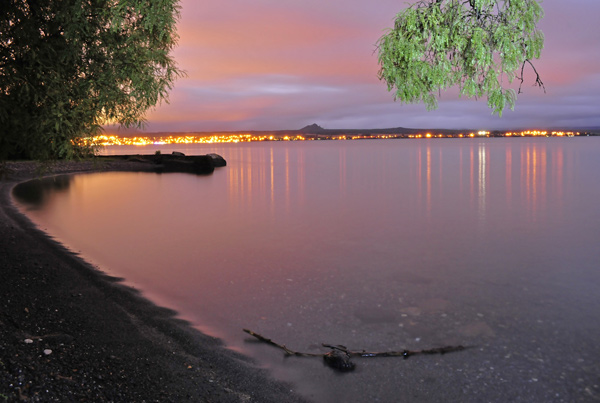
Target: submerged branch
280 346
339 356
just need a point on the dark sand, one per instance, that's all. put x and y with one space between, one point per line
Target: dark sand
70 333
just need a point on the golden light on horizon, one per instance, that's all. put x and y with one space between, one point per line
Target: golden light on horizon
115 140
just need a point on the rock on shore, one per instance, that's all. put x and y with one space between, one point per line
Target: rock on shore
176 162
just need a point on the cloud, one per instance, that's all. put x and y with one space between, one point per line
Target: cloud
283 64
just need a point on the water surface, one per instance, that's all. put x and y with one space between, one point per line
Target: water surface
377 245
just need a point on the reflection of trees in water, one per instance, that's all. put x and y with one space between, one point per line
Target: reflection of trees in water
35 192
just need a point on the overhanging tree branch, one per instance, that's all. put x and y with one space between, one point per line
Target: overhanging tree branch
472 44
67 67
538 81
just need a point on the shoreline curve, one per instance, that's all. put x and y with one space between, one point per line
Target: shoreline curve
70 332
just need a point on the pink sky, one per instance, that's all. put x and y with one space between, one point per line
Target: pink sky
282 64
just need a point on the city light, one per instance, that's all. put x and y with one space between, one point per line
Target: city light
201 138
114 140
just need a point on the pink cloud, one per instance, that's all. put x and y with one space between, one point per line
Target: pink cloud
284 64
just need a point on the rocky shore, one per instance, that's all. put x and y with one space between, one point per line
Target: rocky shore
70 333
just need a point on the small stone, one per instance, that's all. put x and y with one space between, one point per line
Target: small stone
47 351
339 359
28 341
411 310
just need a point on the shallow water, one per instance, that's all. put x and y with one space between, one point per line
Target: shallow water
377 245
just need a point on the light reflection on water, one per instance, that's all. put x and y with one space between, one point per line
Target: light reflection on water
377 245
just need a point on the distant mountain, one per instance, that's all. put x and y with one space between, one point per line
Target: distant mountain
312 129
318 130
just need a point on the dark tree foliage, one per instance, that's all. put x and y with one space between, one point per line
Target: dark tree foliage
481 46
69 66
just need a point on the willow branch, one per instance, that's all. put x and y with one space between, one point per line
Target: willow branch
538 80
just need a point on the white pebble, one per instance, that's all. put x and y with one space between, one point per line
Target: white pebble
28 341
47 351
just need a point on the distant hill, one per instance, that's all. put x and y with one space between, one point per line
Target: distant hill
312 129
318 130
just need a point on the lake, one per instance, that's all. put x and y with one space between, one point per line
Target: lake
378 245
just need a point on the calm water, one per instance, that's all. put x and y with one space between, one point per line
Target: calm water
377 245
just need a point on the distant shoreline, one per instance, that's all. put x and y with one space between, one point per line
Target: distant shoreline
320 134
315 131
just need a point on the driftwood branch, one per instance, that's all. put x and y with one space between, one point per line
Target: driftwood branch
281 346
339 356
